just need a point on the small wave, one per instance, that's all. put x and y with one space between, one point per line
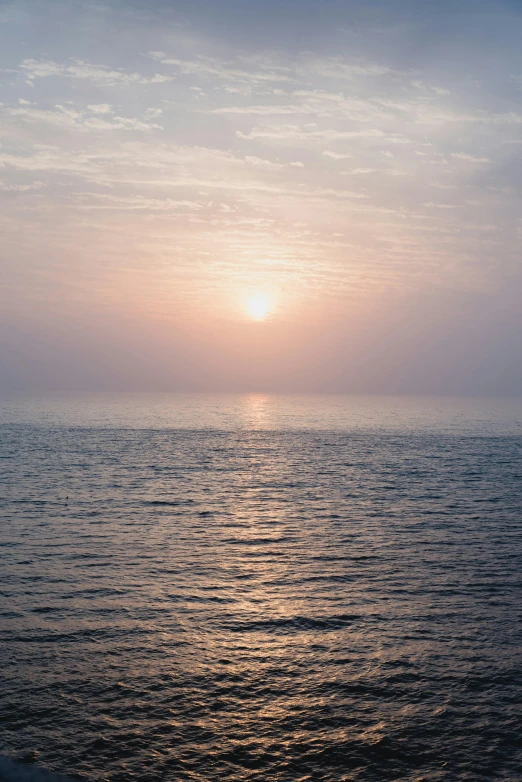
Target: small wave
45 609
299 623
256 541
168 503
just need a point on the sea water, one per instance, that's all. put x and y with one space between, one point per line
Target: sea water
261 588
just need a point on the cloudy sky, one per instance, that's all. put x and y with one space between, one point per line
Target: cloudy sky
357 164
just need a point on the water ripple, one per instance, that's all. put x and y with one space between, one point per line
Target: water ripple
255 605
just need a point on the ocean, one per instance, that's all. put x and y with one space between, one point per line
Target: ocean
261 588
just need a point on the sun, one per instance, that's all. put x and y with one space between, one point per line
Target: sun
258 306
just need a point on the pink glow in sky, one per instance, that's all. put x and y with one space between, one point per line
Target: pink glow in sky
163 166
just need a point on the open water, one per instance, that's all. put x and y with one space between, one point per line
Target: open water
261 588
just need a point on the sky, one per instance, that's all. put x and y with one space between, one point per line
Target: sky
354 166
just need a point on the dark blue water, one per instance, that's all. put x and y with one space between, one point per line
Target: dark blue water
240 602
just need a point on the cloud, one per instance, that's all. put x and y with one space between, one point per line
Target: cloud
9 187
295 133
259 110
261 163
433 205
336 155
322 103
178 167
360 171
339 68
78 69
437 90
100 108
70 119
139 203
469 158
209 67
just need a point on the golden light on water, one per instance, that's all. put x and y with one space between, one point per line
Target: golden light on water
258 306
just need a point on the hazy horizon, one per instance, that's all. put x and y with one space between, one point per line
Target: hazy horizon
287 197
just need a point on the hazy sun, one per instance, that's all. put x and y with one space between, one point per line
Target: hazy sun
258 306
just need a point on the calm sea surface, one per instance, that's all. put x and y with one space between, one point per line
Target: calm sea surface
262 588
